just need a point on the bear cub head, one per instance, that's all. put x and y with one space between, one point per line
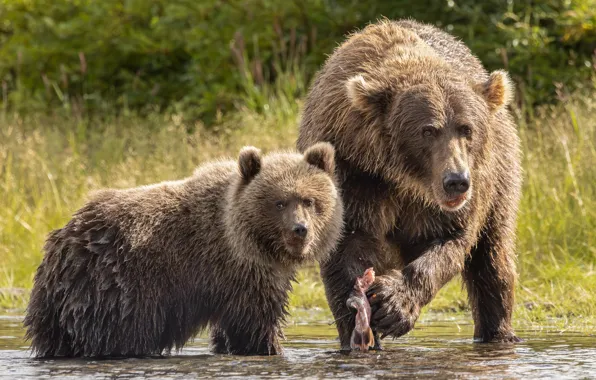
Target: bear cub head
437 126
286 205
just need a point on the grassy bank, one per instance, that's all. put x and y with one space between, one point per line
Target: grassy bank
49 164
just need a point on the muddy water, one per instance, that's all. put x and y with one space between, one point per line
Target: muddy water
438 348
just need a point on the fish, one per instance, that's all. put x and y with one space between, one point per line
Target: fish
362 335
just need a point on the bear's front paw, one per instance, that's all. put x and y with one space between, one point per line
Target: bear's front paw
394 310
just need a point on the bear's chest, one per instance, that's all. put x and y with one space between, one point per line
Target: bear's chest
418 228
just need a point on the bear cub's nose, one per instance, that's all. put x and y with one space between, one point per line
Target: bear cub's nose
300 229
456 183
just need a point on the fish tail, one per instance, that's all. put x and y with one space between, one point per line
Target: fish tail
370 341
362 340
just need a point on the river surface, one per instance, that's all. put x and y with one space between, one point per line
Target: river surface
437 348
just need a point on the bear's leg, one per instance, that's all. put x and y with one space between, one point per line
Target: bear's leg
356 252
489 275
219 340
251 339
48 339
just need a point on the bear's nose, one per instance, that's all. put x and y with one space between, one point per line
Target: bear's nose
300 229
456 183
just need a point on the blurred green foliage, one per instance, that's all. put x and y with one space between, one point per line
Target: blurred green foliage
206 57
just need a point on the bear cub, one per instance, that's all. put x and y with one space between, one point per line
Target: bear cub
139 271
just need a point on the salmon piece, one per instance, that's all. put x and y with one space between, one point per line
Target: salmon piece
362 335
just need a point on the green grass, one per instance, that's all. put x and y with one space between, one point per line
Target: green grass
49 164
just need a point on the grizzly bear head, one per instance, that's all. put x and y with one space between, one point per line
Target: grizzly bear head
436 126
287 204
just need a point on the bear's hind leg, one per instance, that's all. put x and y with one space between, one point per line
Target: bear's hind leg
219 340
245 340
490 280
48 339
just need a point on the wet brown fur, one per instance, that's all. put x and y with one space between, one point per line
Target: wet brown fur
373 99
139 271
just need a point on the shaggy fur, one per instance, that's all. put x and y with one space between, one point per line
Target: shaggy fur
139 271
405 105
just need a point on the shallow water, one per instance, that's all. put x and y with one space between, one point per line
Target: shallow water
437 348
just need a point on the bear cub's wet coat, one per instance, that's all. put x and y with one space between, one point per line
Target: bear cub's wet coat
140 271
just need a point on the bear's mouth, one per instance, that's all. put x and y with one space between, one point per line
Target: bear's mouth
296 246
455 203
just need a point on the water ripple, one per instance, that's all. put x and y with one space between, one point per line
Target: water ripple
436 348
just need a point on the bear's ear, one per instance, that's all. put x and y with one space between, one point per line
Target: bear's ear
249 162
369 97
497 90
321 155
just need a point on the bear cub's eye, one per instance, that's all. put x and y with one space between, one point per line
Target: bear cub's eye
465 131
429 131
309 202
280 205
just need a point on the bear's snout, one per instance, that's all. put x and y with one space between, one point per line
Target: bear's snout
297 238
300 229
456 183
456 190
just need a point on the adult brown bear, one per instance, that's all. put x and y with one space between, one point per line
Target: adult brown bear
429 165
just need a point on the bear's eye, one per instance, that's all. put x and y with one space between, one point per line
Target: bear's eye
280 205
309 202
429 131
465 131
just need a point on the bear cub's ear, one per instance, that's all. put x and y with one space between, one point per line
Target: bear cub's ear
249 162
321 155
